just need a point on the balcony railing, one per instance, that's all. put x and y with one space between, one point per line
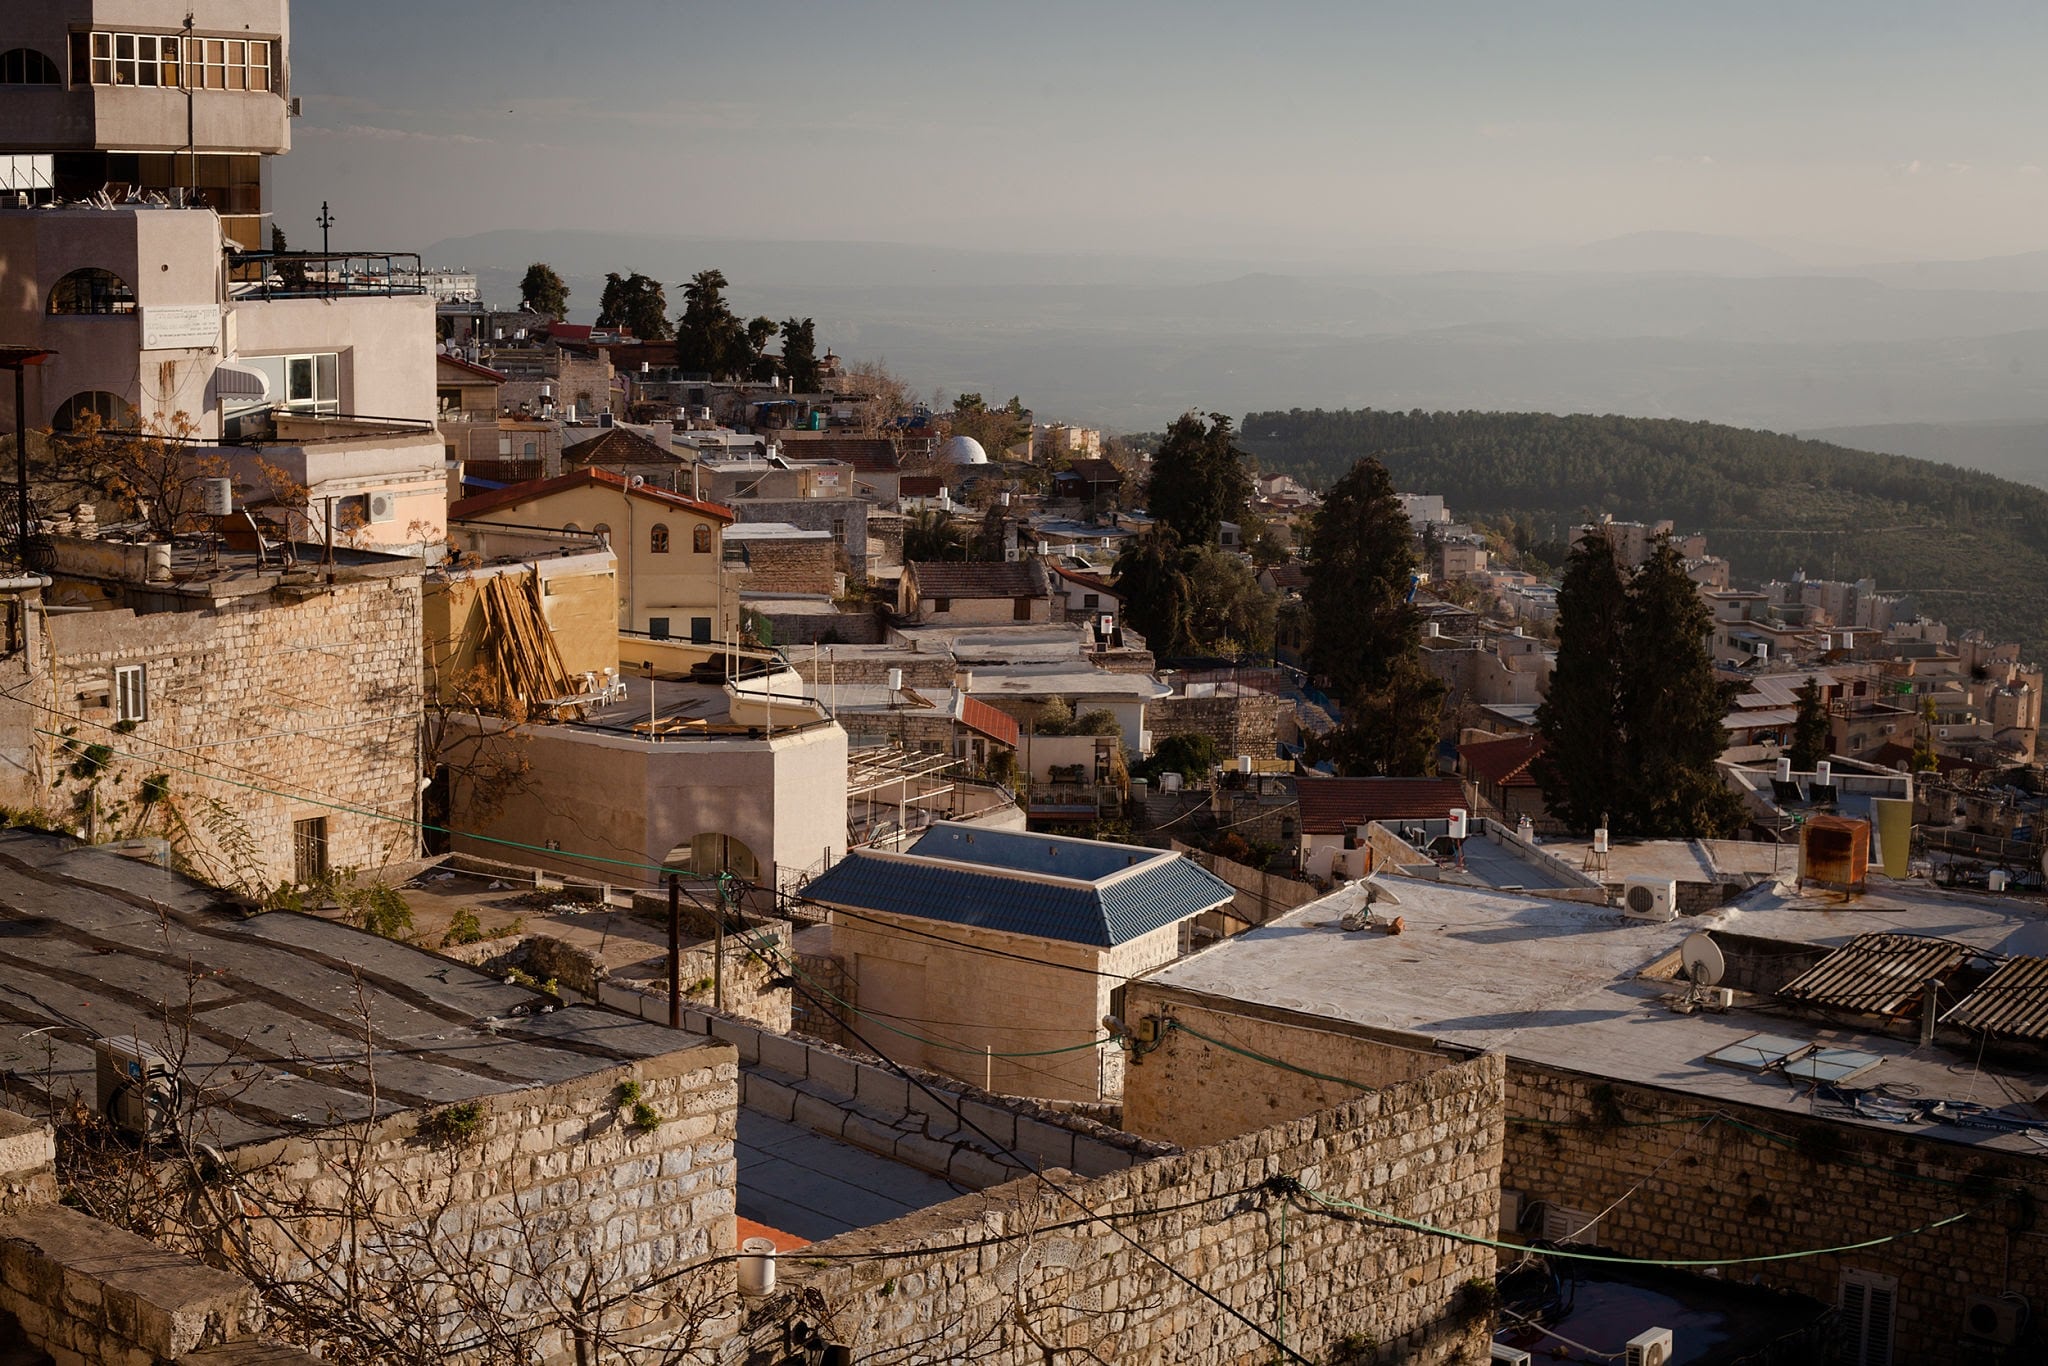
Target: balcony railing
321 275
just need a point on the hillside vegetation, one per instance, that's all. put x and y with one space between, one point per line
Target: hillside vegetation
1971 548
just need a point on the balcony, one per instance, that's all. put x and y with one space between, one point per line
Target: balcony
255 275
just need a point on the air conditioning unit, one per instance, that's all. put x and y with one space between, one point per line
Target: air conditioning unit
1651 1347
383 507
1995 1319
138 1087
1514 1356
1649 899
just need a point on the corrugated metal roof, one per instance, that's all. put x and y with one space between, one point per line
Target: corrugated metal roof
1163 892
1878 974
2012 1002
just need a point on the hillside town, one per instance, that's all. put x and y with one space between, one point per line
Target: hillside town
646 841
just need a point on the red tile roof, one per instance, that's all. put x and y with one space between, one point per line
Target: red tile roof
969 579
618 447
1502 763
920 485
483 371
1094 581
1332 806
1291 574
990 722
868 454
545 488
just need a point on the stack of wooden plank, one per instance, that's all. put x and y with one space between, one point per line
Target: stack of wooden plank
517 647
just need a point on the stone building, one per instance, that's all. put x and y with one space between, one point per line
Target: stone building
1017 942
1651 1119
777 559
262 720
975 594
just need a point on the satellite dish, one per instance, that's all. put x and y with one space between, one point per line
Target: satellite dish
1702 958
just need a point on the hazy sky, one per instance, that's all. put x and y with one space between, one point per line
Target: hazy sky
1282 132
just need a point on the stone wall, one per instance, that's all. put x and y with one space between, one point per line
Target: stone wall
1051 1276
1783 1183
1260 895
1239 725
306 702
846 519
787 567
868 666
1190 1092
822 628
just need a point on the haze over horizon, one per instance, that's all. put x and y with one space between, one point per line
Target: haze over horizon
1123 211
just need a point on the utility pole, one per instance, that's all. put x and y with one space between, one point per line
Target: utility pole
675 952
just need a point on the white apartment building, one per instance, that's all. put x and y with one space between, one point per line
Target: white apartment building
134 226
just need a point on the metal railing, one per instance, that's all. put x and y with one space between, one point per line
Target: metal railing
322 275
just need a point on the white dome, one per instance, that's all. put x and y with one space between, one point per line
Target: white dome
963 450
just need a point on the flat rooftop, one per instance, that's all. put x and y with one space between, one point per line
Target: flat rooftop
266 1013
1558 983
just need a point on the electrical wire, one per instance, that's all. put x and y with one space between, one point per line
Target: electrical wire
1474 1239
1175 1023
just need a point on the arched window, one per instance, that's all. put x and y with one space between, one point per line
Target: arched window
657 539
710 854
92 290
26 66
113 412
700 539
603 531
571 527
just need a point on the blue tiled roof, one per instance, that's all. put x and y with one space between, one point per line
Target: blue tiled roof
1165 892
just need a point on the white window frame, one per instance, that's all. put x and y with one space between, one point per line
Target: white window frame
1869 1304
234 64
131 693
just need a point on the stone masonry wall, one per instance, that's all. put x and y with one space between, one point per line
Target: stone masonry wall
1713 1189
919 670
1239 725
788 567
540 1189
1040 1279
1189 1091
311 692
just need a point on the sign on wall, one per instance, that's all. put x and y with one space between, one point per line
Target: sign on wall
184 327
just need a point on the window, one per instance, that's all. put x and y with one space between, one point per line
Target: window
111 410
712 854
658 627
26 66
700 539
1090 601
163 59
1867 1301
657 539
942 604
309 850
571 527
303 384
91 291
131 693
700 630
530 449
603 531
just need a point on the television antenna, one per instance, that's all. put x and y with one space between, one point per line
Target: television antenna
1703 964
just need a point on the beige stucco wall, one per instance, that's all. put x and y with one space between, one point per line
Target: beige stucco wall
977 990
168 259
978 611
624 801
577 593
679 584
386 345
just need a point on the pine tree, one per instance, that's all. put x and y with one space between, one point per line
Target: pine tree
1672 707
1391 730
800 355
637 303
1580 719
1199 478
1151 576
710 339
1361 568
542 291
1812 736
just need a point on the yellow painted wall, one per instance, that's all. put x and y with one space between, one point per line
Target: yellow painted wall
577 605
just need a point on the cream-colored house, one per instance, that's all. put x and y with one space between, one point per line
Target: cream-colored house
670 547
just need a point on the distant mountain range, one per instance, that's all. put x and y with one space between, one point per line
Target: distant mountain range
1791 338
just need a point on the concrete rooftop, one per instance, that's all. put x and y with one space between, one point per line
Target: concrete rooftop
1556 983
267 1013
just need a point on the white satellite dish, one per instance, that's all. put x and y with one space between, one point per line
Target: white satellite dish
1702 958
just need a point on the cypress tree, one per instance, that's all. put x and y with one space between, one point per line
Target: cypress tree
1672 708
1360 570
1199 480
1811 734
1580 770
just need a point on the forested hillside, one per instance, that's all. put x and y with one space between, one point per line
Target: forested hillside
1971 548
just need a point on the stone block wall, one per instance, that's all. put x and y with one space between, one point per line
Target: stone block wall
1776 1181
1239 725
503 1210
1019 1274
787 567
296 705
919 670
821 628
